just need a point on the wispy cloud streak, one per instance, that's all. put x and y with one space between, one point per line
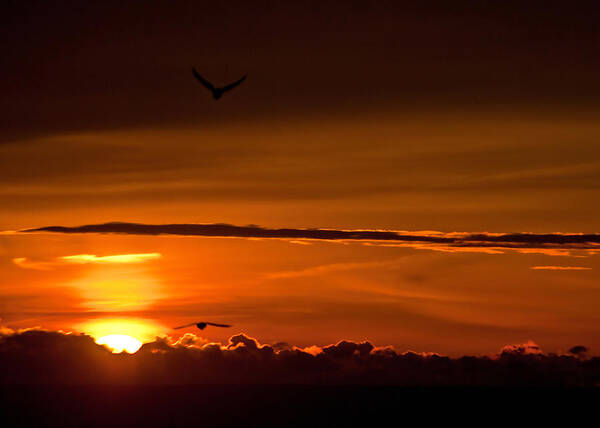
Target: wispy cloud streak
560 268
25 263
119 258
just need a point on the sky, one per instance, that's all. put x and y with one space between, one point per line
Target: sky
469 132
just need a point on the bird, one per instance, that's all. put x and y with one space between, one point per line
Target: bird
202 325
217 92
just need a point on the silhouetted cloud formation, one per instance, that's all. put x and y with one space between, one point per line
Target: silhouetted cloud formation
43 357
551 243
578 350
529 348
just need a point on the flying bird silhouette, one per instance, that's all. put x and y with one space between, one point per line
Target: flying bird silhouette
202 325
217 92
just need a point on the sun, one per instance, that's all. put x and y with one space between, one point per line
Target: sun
119 343
121 334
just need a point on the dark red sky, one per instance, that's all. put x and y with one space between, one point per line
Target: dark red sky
98 65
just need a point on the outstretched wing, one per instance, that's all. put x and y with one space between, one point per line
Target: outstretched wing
202 80
218 325
234 84
184 326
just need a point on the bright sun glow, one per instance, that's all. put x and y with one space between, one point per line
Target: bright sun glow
122 334
120 342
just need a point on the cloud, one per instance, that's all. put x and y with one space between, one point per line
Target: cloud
330 268
189 340
25 263
119 258
560 268
548 243
49 357
529 348
578 350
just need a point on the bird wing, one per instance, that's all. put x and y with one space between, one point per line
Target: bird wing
234 84
184 326
218 325
202 80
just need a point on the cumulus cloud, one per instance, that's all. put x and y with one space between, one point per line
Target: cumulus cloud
529 348
190 340
578 350
45 357
550 243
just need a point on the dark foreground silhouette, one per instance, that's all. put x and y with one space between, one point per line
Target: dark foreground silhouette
217 92
63 380
291 405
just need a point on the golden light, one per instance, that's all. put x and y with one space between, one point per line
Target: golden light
119 343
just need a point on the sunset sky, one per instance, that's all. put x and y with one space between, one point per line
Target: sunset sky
468 123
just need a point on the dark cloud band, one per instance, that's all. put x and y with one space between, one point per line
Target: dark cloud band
575 241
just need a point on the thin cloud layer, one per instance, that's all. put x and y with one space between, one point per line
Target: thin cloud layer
119 258
44 357
26 263
560 268
548 243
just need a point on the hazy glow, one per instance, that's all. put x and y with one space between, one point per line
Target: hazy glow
119 343
119 258
118 289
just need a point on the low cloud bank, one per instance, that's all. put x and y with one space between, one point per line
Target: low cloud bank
43 357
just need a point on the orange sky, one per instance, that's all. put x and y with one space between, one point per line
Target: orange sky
534 175
458 141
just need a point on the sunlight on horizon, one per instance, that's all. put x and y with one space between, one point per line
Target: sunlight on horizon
118 343
115 331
